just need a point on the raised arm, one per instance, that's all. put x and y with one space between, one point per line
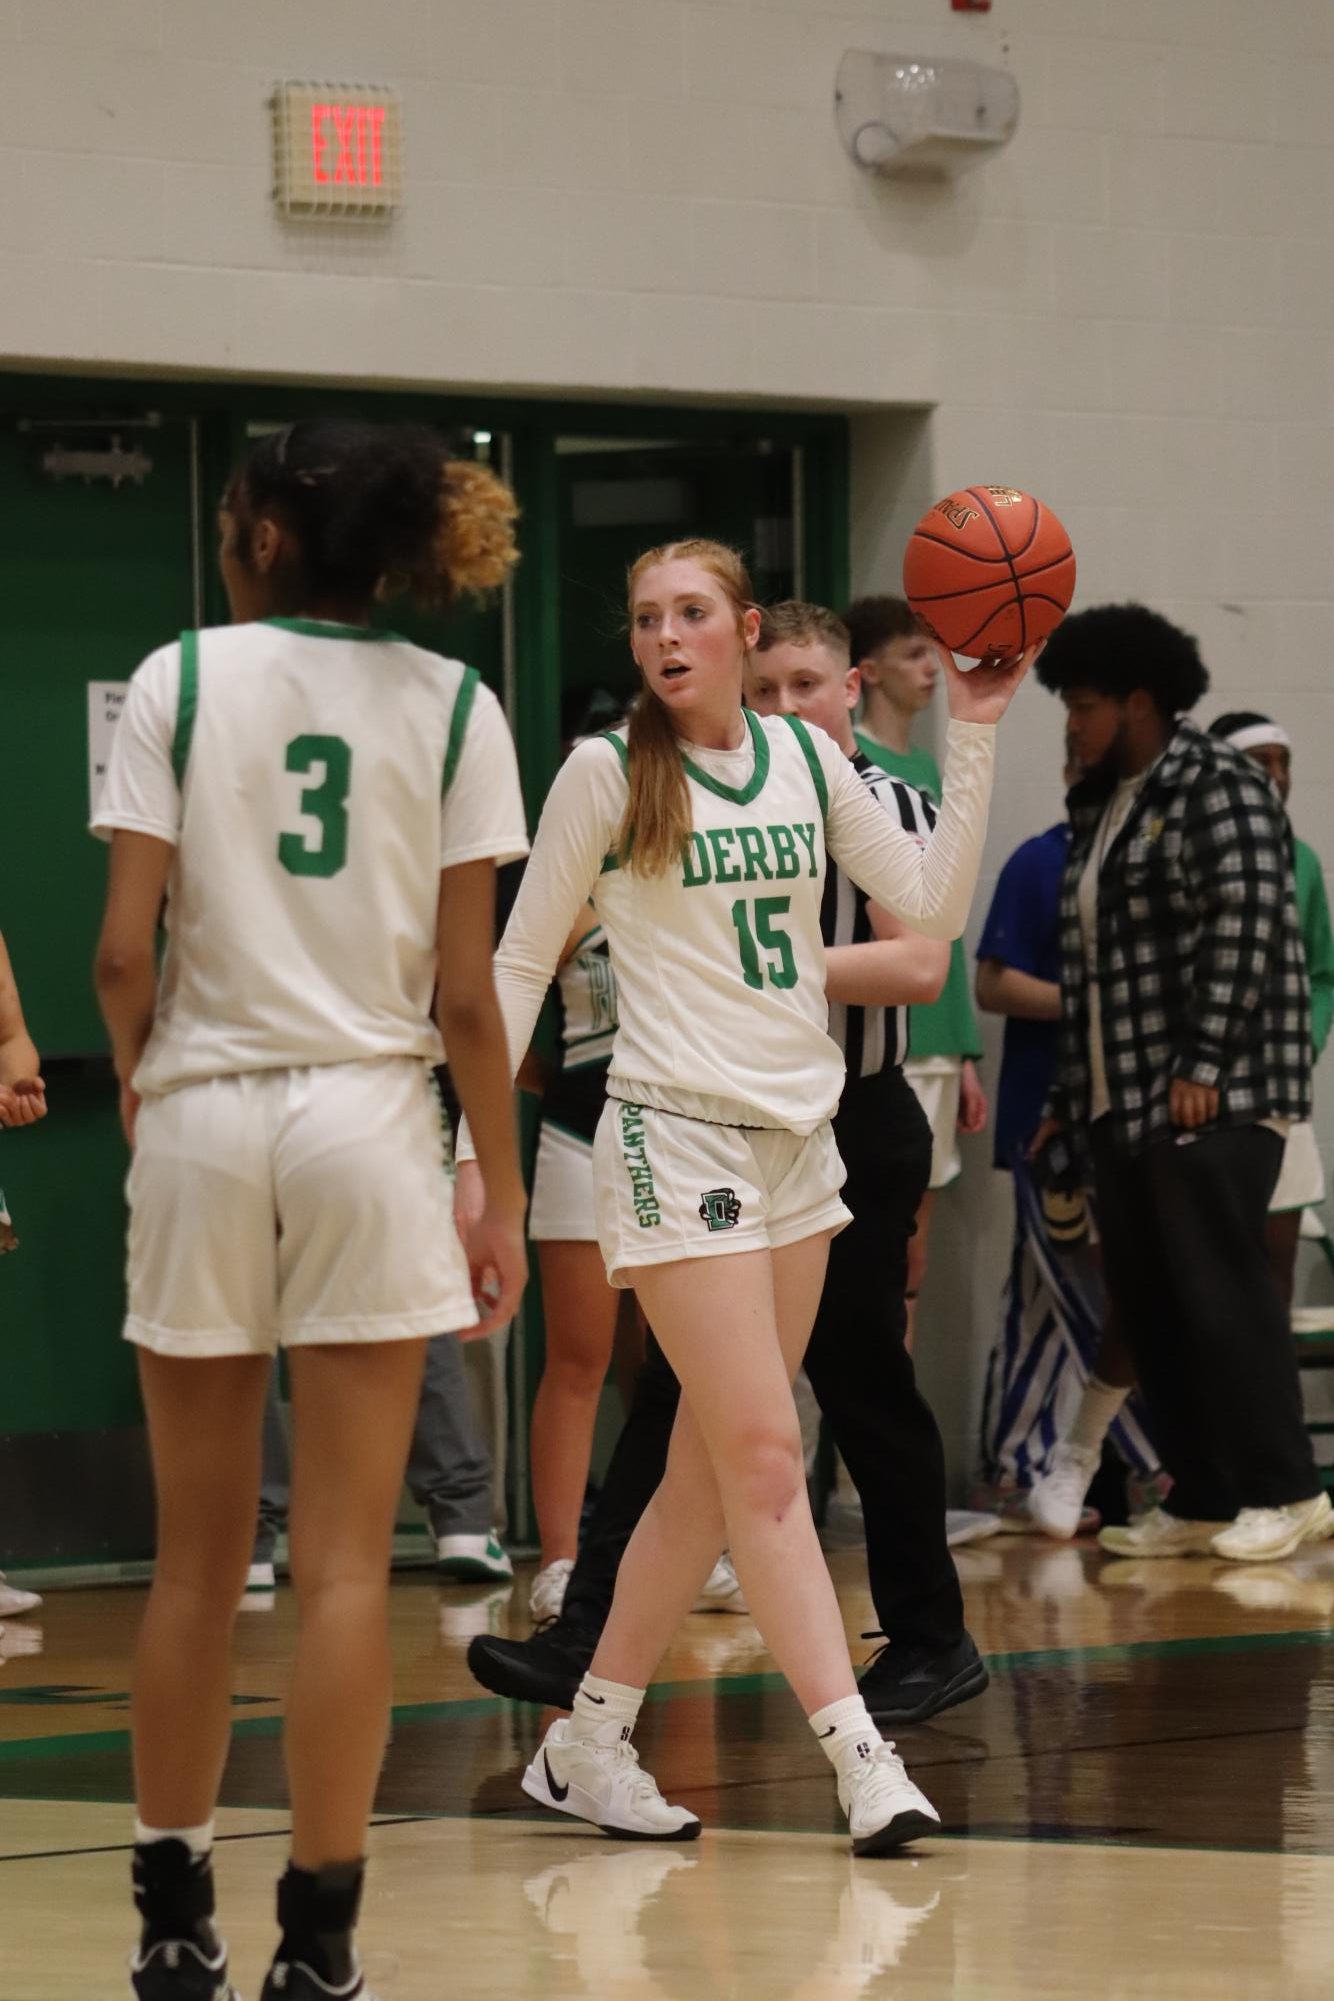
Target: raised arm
928 882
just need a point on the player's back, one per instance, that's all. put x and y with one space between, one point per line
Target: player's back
312 760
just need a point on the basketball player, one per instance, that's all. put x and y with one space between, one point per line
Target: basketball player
323 806
700 832
856 1362
899 666
22 1103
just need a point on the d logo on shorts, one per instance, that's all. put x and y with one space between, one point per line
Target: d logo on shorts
720 1208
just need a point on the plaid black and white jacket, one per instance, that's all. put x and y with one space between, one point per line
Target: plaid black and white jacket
1200 959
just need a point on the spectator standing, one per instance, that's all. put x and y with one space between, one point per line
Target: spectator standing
1184 1059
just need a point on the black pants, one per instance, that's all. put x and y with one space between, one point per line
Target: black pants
862 1377
1183 1233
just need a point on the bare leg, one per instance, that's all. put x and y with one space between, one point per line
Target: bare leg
734 1329
579 1308
204 1423
917 1260
353 1409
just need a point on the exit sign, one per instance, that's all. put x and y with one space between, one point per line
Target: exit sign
337 150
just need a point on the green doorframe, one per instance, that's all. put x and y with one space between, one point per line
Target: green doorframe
529 428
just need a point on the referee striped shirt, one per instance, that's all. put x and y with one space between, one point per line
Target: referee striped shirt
872 1038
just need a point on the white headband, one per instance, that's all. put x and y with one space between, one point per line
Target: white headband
1259 736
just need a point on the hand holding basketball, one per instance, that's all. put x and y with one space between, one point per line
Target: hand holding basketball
984 692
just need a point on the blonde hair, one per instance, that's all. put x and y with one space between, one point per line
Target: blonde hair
657 820
475 548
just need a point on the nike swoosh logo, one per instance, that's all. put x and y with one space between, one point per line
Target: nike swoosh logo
600 1700
829 1732
557 1792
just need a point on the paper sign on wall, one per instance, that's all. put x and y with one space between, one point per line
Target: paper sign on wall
106 699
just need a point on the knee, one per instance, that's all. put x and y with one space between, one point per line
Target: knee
576 1375
767 1471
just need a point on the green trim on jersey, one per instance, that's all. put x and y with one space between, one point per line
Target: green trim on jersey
187 702
332 628
739 795
458 726
809 752
618 745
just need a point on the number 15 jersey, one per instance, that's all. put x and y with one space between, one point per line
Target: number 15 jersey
314 779
719 961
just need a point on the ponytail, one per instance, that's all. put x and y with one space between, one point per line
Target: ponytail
657 820
474 548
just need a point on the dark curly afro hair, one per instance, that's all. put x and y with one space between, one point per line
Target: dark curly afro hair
1116 648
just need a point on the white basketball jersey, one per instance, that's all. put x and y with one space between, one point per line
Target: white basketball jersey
719 961
314 779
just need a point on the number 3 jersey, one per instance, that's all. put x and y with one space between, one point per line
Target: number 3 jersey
719 962
314 780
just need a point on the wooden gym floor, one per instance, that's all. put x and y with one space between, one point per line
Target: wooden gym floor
1141 1805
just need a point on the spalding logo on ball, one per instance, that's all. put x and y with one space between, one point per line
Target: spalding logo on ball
989 570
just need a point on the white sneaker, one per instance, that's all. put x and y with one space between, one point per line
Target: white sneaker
1263 1535
722 1591
19 1641
883 1806
1160 1534
1056 1498
604 1783
965 1525
479 1558
548 1592
260 1577
12 1600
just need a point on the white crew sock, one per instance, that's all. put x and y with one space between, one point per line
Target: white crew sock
199 1840
605 1711
1098 1409
845 1731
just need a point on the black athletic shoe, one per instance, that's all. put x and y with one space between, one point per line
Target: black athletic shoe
292 1980
546 1669
908 1684
182 1970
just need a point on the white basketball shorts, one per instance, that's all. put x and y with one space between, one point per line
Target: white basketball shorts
936 1079
294 1207
1301 1178
671 1187
562 1208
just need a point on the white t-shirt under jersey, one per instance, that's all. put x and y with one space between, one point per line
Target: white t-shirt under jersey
719 962
327 774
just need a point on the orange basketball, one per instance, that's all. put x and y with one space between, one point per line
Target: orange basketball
989 570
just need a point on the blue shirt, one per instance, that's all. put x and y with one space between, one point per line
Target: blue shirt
1023 930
